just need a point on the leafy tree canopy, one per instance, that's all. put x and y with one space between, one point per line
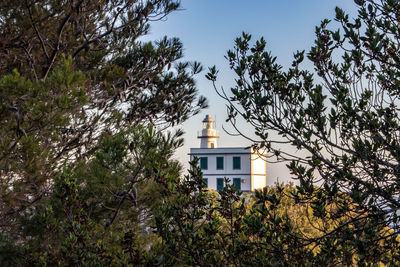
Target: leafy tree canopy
344 114
73 72
82 102
87 175
204 228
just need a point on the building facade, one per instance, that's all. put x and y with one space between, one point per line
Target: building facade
244 167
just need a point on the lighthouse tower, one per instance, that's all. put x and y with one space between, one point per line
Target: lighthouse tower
245 167
208 135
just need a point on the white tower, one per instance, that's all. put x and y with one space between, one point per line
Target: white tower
208 134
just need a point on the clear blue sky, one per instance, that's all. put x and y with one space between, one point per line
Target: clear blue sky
208 28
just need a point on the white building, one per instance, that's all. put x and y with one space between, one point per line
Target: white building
244 167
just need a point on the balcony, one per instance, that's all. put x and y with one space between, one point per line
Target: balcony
208 133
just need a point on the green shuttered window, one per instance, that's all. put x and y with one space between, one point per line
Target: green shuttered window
236 163
204 163
236 183
220 163
220 184
205 183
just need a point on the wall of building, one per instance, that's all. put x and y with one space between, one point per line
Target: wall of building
244 185
244 173
258 171
228 164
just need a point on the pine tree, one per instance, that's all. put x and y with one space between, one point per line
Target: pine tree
71 74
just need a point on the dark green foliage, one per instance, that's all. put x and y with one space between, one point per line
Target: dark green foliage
204 228
87 178
92 217
72 73
81 105
344 116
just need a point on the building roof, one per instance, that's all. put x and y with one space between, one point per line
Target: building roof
222 150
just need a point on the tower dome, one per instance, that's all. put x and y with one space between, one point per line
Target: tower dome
208 135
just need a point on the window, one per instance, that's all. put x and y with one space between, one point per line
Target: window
220 184
212 145
236 183
236 163
220 163
204 163
205 182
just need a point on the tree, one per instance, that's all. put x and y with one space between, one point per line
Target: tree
344 115
101 211
72 74
202 228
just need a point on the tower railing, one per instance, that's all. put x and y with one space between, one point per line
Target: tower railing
201 135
